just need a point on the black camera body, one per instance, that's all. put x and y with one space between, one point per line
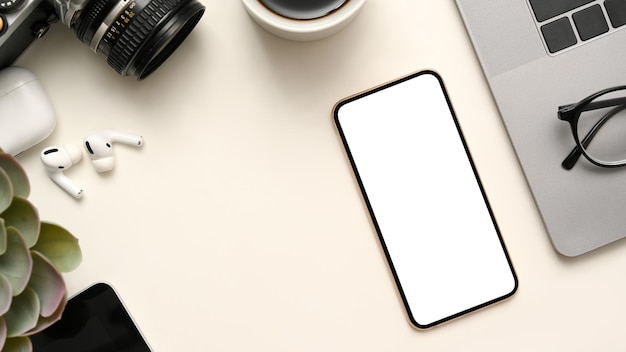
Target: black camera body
134 36
21 26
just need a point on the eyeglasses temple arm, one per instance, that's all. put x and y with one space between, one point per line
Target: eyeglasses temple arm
598 104
569 162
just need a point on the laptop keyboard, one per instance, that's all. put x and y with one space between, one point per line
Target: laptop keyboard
565 24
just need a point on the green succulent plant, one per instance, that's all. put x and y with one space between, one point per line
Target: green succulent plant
33 254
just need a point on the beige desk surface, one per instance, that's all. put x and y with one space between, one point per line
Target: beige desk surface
239 226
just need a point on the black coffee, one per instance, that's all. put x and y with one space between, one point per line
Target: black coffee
303 9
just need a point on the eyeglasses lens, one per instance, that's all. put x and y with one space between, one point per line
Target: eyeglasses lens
602 128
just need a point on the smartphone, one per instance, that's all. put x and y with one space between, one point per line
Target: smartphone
425 199
93 320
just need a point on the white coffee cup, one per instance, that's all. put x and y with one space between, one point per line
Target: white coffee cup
303 29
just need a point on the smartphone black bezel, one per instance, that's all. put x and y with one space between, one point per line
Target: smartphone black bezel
117 322
374 90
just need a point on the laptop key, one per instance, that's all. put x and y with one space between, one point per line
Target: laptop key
558 34
590 22
546 9
616 9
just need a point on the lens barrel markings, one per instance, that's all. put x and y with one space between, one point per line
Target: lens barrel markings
131 40
117 27
87 23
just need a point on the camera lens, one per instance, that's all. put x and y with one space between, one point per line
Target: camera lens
136 36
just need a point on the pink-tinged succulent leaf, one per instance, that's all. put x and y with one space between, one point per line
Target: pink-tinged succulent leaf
6 295
6 191
3 237
18 344
23 216
44 323
59 246
23 314
3 333
16 173
16 263
47 283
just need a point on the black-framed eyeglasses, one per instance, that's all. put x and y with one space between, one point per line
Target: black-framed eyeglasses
598 124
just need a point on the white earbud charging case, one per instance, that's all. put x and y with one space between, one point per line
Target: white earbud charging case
26 113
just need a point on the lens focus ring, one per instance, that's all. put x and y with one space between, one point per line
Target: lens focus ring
92 16
138 30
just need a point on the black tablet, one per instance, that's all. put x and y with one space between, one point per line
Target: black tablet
94 320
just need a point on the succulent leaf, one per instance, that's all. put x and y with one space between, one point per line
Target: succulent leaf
6 191
6 295
23 314
18 344
59 246
45 322
3 237
23 216
47 283
16 263
16 173
33 294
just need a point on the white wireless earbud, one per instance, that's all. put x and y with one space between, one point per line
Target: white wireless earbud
100 150
58 159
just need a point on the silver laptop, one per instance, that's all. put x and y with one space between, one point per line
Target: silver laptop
536 56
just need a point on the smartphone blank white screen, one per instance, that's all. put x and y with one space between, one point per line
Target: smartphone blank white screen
425 199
